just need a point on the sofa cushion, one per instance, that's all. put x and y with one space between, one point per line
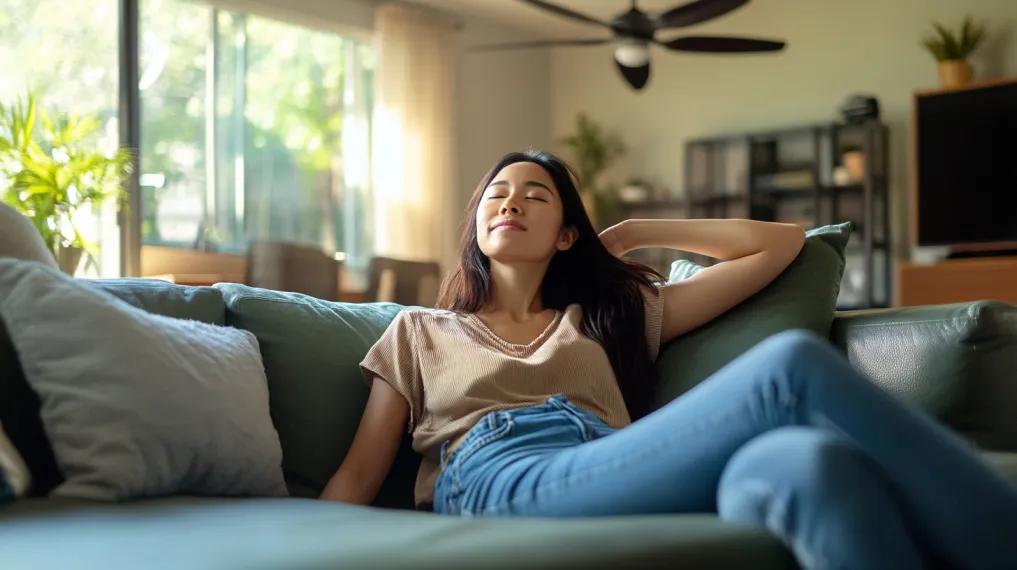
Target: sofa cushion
956 361
311 349
191 532
19 405
803 296
137 404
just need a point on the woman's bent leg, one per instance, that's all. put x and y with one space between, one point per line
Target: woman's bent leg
828 501
671 460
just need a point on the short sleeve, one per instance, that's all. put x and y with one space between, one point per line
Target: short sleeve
394 359
653 303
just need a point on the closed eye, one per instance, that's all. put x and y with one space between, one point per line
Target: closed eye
528 198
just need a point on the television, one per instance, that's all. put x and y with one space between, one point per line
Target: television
965 169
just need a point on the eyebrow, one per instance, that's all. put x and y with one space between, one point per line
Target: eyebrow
527 183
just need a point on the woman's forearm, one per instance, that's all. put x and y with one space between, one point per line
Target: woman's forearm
719 238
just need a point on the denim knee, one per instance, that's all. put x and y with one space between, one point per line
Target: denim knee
793 464
793 342
798 350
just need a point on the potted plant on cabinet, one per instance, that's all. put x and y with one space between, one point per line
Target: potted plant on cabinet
594 150
952 50
50 171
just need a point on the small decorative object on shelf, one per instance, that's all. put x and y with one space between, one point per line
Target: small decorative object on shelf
634 191
859 109
952 50
853 159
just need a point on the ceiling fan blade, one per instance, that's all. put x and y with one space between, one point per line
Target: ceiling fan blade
696 12
635 76
718 44
542 43
565 12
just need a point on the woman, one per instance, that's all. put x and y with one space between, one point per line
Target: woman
537 366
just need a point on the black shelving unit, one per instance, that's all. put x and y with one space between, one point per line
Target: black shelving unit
787 175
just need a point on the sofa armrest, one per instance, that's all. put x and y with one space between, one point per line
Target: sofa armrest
956 361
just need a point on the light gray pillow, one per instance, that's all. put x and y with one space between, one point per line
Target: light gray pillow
137 404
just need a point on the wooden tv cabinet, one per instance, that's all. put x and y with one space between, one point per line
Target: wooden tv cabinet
956 280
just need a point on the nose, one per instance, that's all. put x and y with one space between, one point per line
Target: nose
508 206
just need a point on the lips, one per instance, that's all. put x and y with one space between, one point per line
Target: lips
507 224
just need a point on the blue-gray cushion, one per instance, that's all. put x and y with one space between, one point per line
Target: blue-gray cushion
137 404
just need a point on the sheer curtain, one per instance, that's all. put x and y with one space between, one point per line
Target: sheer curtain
415 215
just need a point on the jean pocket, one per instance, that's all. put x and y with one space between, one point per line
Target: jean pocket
492 427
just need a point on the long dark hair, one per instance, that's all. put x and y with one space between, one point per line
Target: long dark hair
605 286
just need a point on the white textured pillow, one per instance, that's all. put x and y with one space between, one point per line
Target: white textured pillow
137 404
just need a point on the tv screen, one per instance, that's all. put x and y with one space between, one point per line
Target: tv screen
966 153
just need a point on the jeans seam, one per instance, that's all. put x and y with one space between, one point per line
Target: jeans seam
575 477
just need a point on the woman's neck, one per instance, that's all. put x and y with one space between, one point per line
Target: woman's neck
515 290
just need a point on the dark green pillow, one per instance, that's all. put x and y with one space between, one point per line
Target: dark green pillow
311 349
803 296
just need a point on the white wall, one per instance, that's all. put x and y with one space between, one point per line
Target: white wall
834 49
503 100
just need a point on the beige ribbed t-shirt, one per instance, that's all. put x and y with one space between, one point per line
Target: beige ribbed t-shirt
452 370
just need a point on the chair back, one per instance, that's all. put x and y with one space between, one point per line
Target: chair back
293 267
408 278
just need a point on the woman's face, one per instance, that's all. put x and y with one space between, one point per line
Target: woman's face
523 193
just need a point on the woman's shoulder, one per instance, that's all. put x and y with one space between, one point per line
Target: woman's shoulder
426 315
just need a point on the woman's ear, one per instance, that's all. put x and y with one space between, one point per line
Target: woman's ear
566 237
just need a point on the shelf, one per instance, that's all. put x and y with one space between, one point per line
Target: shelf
811 191
789 173
655 203
876 244
716 199
796 130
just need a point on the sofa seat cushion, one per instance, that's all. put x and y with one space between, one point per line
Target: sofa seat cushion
222 533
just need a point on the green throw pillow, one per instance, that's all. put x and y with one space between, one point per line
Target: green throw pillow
803 296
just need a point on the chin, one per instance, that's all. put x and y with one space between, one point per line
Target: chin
514 254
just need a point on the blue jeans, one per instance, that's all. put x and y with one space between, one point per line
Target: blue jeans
788 435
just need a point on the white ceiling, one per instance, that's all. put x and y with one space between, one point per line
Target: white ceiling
546 24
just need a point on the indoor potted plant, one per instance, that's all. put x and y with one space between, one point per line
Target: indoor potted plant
952 50
595 150
50 170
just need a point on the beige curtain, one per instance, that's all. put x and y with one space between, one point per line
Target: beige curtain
413 136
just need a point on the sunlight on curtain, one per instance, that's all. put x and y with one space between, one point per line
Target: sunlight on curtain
415 215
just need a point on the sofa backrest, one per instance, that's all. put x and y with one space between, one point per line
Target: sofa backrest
954 361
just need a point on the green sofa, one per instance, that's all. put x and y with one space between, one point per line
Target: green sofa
958 362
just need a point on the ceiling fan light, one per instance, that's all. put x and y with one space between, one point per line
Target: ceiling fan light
632 54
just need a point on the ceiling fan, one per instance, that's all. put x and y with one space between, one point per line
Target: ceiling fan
635 30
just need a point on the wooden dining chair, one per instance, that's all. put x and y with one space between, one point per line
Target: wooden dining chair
408 279
293 267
